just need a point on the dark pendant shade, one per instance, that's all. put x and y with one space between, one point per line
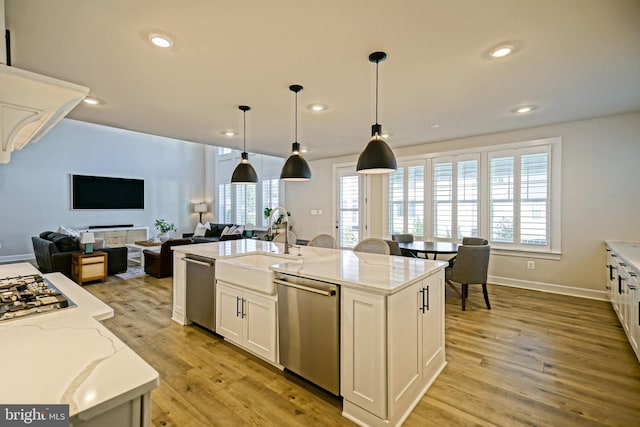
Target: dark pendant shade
244 173
296 167
377 157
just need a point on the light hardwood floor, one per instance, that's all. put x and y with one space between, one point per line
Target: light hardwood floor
534 359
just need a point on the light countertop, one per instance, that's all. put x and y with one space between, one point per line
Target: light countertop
627 251
372 272
68 356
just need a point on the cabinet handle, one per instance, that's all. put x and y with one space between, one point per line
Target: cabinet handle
611 272
619 284
427 291
243 312
421 291
622 264
237 306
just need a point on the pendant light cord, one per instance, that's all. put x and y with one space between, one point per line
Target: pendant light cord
244 132
296 130
377 62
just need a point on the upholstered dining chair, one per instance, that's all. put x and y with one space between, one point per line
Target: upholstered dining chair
474 241
372 245
402 238
323 241
470 267
405 238
292 238
394 249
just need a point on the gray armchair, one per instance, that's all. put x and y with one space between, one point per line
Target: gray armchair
373 245
471 266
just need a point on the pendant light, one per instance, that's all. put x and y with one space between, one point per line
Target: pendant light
244 173
296 167
377 157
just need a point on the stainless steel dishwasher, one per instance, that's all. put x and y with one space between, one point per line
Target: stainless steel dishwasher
309 326
201 291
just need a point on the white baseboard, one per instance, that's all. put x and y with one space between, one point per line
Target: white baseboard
550 287
14 258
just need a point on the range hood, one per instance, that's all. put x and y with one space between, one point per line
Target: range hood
30 104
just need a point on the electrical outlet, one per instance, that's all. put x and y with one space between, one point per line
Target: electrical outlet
319 211
314 212
531 264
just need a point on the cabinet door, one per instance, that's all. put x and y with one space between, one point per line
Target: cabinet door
229 312
634 318
260 326
363 342
405 348
432 324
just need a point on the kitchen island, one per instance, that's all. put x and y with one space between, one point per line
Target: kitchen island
391 319
68 357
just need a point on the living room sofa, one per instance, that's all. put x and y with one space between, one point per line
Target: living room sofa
213 234
53 254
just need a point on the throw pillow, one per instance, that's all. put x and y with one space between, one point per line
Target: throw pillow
200 231
68 231
225 231
65 243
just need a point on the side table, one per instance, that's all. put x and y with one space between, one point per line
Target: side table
88 267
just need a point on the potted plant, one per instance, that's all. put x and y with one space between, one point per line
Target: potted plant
164 228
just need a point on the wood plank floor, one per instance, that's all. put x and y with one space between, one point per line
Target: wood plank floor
535 359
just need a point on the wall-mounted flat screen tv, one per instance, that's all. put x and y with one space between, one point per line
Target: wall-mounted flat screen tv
102 192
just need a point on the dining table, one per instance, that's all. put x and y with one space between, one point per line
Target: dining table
435 248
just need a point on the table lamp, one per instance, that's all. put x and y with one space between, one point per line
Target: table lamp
88 239
200 208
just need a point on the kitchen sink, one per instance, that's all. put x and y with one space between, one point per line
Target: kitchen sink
251 271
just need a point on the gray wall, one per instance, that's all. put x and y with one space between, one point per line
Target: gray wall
35 186
600 200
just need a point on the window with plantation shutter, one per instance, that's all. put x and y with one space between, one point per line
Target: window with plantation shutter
534 181
501 200
224 203
349 210
245 200
455 197
405 202
270 196
519 182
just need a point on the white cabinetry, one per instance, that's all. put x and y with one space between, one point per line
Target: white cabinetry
119 236
247 319
623 288
402 335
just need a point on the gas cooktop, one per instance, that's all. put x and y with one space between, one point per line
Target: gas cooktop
22 296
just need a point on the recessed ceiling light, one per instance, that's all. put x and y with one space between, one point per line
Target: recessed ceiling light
160 40
434 126
317 107
503 49
91 101
524 109
386 135
229 133
304 150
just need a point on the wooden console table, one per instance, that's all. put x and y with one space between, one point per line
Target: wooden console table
88 267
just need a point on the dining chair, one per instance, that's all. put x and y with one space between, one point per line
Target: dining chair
405 238
474 241
471 266
394 249
292 238
373 245
402 238
323 241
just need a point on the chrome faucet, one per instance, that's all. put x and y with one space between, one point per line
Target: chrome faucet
286 230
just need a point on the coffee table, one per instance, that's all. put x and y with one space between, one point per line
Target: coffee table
137 248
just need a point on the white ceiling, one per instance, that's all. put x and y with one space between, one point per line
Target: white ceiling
578 59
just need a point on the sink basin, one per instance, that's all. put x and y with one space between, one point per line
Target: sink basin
250 271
